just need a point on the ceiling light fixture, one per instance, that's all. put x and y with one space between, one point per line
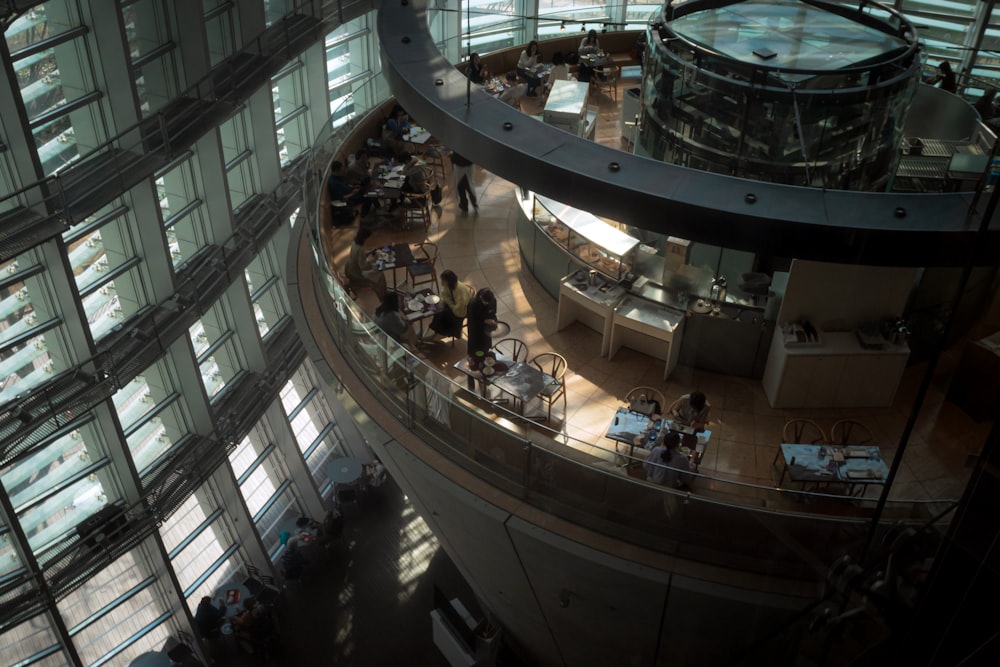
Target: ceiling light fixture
562 26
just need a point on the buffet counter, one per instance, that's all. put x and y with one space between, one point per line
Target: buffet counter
592 269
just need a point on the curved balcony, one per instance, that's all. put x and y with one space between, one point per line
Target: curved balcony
724 523
770 543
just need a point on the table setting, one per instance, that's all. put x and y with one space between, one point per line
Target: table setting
636 429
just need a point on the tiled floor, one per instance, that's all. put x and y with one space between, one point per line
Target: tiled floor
367 600
481 247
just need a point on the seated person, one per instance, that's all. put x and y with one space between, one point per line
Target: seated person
359 171
292 561
396 126
389 318
588 46
359 270
414 182
375 474
690 410
346 194
476 70
527 67
560 70
455 295
208 618
665 464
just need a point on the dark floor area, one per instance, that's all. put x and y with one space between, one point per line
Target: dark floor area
367 600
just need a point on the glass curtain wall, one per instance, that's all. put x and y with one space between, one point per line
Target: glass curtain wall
60 298
64 298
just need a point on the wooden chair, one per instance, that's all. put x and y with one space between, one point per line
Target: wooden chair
646 400
437 158
801 431
515 348
417 210
424 272
606 80
554 365
850 432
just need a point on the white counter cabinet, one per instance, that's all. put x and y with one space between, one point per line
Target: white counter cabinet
837 374
648 328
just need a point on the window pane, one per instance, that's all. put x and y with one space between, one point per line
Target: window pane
285 510
30 638
152 414
117 621
48 493
42 22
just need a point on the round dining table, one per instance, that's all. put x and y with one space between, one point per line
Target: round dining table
345 470
151 659
232 596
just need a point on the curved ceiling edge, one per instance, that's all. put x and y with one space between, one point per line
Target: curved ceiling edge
809 223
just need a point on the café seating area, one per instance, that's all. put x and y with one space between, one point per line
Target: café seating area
574 413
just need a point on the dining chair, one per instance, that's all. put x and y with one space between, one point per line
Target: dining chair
554 365
850 432
437 157
607 80
515 348
424 272
646 400
261 586
417 210
801 431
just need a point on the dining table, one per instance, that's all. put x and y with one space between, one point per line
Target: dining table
393 257
417 135
420 305
305 529
635 428
855 466
151 659
344 470
232 596
522 381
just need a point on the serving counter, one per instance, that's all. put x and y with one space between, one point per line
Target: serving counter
562 245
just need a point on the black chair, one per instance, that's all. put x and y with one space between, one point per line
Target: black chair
262 587
347 496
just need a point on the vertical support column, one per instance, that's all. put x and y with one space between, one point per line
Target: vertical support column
27 556
263 139
316 92
285 441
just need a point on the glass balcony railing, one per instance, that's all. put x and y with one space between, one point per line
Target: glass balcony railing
761 529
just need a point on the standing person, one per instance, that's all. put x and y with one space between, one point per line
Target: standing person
527 65
455 295
463 174
482 316
358 270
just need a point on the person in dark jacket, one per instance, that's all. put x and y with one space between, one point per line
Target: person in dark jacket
208 618
482 320
463 174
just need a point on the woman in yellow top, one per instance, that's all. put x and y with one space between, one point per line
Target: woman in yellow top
455 295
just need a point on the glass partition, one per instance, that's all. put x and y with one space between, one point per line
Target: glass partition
554 472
